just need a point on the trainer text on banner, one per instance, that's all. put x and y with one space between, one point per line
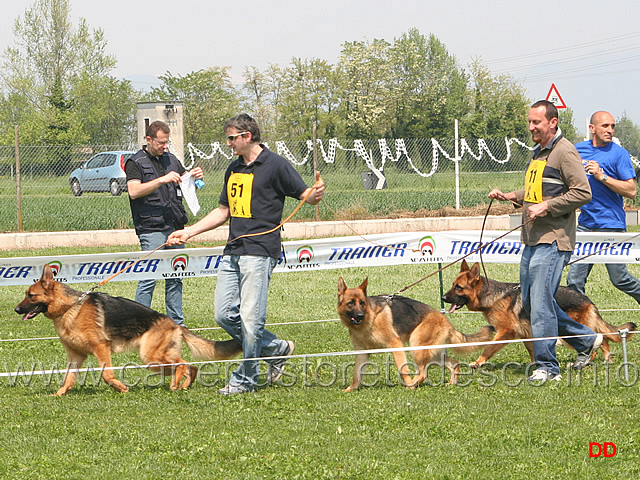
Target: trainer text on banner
321 254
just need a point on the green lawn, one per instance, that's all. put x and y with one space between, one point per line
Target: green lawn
48 205
310 429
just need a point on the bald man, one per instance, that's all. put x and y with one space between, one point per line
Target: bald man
612 178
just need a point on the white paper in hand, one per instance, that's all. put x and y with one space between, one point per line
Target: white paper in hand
188 187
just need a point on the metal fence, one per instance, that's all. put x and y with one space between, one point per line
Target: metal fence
365 179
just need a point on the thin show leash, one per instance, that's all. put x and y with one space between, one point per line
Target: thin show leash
103 282
461 258
480 248
389 297
615 244
128 267
362 236
484 221
302 202
517 205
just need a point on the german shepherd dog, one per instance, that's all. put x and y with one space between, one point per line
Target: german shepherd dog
99 324
392 322
501 305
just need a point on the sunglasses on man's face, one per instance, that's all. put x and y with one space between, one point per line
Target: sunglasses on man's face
162 144
231 138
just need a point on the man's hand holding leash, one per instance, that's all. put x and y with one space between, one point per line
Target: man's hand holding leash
535 210
505 197
314 194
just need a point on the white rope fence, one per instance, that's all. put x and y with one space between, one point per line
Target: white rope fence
202 329
192 329
622 333
333 146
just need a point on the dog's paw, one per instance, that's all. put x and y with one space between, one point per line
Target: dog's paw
118 386
475 364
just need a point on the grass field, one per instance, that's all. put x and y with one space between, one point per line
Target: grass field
48 205
310 429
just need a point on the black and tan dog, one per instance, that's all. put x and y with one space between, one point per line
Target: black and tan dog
393 322
501 305
99 324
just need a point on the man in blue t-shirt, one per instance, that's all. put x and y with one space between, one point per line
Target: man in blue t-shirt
612 177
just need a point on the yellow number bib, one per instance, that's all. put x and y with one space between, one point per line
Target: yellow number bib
239 192
533 181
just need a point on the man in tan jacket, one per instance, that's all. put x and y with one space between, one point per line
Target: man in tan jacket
555 186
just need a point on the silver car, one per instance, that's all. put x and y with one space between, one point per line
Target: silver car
104 172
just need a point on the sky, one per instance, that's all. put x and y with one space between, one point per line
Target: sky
589 49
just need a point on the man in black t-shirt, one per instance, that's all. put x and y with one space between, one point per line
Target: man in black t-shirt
256 185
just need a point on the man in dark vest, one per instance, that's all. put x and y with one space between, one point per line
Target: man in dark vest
153 181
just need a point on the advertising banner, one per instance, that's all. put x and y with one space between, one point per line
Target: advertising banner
321 254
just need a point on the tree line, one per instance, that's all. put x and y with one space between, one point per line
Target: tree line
56 83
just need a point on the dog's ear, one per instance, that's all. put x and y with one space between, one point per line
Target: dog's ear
341 288
475 270
474 274
46 280
464 266
363 286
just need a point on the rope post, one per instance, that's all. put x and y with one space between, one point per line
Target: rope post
315 160
441 288
457 165
18 180
625 359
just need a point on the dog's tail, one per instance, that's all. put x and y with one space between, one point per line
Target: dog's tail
204 349
485 334
599 325
615 337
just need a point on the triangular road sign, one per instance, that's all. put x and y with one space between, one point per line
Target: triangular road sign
554 97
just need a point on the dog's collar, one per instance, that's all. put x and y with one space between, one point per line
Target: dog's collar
82 297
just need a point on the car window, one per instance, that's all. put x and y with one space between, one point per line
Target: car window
108 160
95 162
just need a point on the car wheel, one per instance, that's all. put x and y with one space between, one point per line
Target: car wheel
114 188
75 188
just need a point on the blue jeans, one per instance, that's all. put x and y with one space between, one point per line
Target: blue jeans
172 287
618 274
241 310
540 274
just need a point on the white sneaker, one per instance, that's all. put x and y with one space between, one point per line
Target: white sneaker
542 376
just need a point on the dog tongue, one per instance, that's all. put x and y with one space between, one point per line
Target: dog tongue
453 308
29 315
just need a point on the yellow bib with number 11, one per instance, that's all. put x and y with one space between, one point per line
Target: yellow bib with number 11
533 181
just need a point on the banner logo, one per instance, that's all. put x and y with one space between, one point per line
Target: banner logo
305 253
56 266
427 245
180 262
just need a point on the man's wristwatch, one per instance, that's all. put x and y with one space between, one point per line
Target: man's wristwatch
604 178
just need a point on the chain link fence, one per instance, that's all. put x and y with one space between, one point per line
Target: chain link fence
364 178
